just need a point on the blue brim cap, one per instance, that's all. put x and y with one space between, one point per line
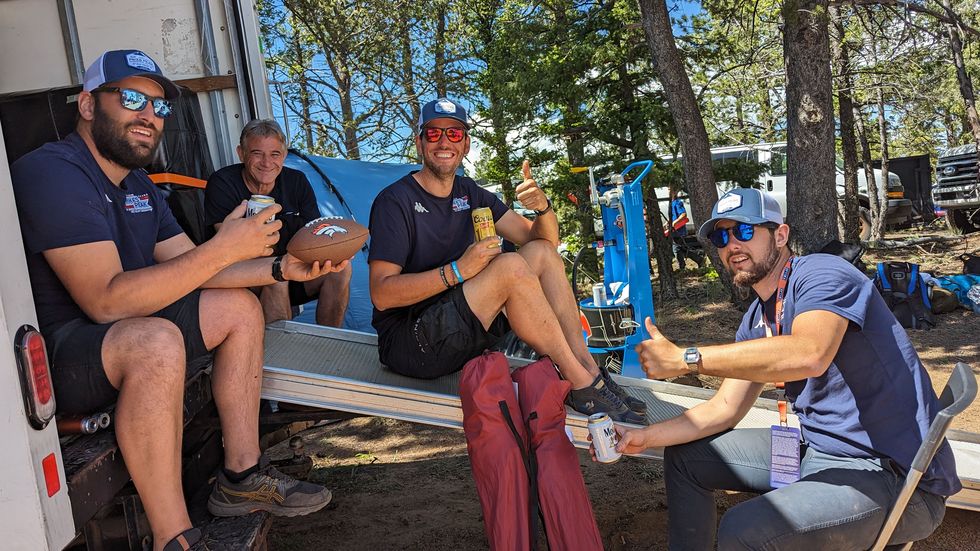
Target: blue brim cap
115 65
748 205
441 108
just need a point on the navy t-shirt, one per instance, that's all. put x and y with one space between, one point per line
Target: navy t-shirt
63 199
226 189
418 231
875 399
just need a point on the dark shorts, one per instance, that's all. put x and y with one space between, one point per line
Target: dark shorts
75 351
439 339
298 294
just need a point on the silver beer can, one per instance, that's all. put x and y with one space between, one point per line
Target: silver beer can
604 438
258 202
599 294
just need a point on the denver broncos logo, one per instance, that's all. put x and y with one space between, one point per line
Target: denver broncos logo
327 229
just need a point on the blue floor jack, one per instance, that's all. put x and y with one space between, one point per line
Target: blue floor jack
624 298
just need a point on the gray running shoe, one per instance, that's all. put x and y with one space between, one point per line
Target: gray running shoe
266 490
635 404
599 398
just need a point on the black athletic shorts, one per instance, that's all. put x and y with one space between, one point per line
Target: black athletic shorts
439 339
75 352
297 293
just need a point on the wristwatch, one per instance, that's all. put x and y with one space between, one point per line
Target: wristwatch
546 209
692 357
277 269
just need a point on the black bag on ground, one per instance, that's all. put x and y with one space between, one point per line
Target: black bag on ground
905 293
971 263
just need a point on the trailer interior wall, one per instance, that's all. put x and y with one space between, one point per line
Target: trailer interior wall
33 52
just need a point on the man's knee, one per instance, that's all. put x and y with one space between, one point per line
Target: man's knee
337 281
150 349
540 253
510 268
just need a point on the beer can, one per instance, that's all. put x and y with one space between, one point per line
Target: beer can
599 294
483 223
258 202
604 438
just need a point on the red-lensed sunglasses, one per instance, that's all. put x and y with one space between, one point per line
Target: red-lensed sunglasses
453 134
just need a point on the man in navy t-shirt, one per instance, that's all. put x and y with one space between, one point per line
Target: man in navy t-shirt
116 286
440 299
262 150
862 397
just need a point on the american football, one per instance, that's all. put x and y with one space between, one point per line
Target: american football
329 238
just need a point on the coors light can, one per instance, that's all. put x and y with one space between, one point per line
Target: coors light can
604 438
258 202
483 223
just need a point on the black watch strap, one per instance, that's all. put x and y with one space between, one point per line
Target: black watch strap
277 269
545 211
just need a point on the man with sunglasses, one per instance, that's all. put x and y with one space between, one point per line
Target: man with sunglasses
440 299
117 283
262 151
862 397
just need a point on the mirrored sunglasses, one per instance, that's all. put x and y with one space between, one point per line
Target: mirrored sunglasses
453 134
741 231
136 101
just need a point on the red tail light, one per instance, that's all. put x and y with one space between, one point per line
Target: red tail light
32 359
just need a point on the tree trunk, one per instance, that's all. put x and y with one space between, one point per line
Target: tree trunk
845 109
304 91
440 52
878 224
687 119
869 173
963 77
408 81
810 176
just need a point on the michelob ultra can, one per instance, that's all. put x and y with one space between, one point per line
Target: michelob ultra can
604 438
483 223
258 202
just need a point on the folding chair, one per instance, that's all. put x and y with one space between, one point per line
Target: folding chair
959 393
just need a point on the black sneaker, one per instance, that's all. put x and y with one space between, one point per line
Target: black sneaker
266 490
598 398
635 404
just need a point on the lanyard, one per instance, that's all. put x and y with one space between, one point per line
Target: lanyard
780 295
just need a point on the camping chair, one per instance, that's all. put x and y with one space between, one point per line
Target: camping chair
959 393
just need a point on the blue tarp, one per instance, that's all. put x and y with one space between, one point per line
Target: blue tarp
355 185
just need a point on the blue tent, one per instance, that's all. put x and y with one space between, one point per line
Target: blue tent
348 188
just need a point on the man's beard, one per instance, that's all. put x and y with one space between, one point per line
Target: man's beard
759 270
110 139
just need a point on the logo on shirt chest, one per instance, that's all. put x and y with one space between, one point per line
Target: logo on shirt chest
461 203
136 204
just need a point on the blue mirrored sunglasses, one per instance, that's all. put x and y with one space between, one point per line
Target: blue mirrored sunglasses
741 231
136 101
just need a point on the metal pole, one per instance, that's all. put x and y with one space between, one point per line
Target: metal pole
215 97
69 32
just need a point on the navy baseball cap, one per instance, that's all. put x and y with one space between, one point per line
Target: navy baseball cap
115 65
749 205
442 108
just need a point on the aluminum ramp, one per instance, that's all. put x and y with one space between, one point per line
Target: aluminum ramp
339 370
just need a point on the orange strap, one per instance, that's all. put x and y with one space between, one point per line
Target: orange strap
179 179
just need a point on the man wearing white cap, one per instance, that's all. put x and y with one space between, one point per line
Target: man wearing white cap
863 400
440 299
116 285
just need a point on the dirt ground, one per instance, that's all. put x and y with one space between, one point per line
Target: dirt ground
399 485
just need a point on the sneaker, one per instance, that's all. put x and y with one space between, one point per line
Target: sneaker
598 398
635 404
266 490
